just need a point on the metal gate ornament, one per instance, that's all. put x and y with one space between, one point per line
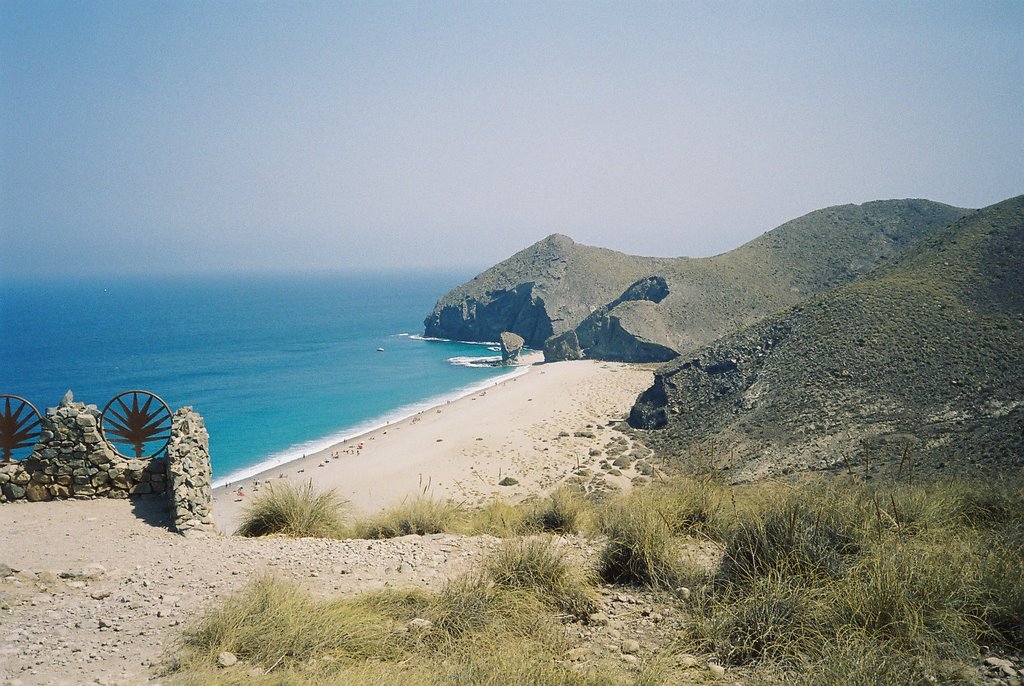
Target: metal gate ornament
19 425
126 421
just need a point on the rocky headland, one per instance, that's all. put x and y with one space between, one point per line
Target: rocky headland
576 301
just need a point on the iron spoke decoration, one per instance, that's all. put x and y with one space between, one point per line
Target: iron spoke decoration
124 421
19 425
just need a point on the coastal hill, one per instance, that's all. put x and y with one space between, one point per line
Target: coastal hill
545 289
579 301
920 360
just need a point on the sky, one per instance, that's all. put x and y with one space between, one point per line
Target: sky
146 136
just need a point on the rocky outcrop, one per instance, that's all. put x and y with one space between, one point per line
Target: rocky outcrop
583 295
629 329
541 291
511 346
883 368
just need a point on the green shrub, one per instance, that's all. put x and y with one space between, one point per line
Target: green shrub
996 507
296 511
773 620
496 518
1000 593
788 537
473 604
915 596
854 659
690 506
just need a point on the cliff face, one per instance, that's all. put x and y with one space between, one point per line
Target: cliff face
624 330
919 359
544 290
483 316
594 302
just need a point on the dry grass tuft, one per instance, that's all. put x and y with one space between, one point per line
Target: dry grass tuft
641 548
538 566
419 515
564 511
296 511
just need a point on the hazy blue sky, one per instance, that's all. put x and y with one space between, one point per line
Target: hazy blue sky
209 136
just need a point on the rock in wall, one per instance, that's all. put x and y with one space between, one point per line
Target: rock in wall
72 460
188 472
517 310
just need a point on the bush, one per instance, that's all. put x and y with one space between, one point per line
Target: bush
271 621
773 620
918 596
295 511
473 604
787 538
854 659
536 565
1000 593
690 506
640 548
420 515
565 511
497 518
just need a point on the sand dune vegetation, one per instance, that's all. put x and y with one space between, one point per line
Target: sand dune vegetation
814 582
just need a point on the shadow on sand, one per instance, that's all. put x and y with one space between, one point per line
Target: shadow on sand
153 510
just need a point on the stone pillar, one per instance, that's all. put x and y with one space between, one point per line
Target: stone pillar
189 474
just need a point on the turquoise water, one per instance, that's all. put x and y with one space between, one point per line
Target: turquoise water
278 366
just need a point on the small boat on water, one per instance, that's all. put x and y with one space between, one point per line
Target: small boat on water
380 350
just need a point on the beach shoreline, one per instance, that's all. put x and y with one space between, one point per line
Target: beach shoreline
331 441
524 426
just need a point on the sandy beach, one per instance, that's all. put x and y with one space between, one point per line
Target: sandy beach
101 589
462 449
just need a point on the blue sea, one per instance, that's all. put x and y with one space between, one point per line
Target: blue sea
278 366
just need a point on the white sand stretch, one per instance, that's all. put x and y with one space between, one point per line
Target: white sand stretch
462 449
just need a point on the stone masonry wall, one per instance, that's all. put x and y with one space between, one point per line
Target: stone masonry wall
71 460
188 472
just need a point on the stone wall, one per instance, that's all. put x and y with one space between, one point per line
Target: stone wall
188 472
71 460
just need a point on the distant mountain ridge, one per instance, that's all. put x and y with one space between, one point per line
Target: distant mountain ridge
922 357
579 301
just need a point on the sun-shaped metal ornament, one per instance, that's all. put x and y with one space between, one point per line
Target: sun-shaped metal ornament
19 426
137 419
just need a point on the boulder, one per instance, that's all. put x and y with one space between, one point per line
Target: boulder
36 492
226 659
511 346
13 491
